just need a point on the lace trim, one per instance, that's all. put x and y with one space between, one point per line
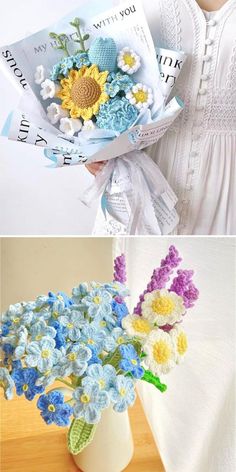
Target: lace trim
170 34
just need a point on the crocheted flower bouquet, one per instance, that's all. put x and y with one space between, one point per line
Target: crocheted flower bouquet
92 345
98 93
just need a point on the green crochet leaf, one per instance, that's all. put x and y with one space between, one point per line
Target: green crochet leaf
80 435
152 379
114 358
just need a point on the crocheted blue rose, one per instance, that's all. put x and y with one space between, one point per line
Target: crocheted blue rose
118 114
103 53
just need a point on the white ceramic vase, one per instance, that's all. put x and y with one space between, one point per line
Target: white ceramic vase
112 447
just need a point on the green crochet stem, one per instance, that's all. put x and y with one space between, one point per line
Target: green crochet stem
76 24
80 435
62 44
152 379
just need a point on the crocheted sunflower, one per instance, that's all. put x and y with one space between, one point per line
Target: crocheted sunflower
83 92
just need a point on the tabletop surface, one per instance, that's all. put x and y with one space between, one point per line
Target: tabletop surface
29 445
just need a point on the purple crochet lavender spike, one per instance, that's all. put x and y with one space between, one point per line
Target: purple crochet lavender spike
182 285
161 275
120 269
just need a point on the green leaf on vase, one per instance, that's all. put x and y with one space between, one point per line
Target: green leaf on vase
80 435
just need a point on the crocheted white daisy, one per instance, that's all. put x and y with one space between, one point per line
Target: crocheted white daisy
136 325
140 96
128 61
162 307
160 350
180 341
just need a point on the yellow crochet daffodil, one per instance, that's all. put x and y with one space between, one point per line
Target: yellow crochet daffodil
82 92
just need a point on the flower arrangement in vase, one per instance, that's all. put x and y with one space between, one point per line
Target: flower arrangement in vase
92 345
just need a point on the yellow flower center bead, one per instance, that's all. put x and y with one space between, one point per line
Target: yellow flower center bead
140 96
91 341
85 398
120 340
161 352
25 388
134 362
102 383
72 356
51 408
45 354
129 60
122 392
70 325
103 324
163 306
182 343
141 325
97 300
39 337
16 320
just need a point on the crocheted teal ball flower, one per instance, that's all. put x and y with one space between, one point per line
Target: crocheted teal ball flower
118 83
117 114
103 53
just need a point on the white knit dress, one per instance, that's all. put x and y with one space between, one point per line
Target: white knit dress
198 153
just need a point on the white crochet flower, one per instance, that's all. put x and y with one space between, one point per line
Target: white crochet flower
140 96
89 125
128 61
39 75
49 89
162 307
180 341
55 112
136 325
70 126
160 350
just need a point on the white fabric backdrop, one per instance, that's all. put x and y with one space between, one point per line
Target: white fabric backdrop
34 199
194 421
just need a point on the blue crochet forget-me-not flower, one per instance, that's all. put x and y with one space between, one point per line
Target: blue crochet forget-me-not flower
118 114
81 60
122 393
130 361
103 376
118 83
53 409
40 329
93 338
25 382
42 354
74 321
98 303
76 361
90 400
6 383
120 309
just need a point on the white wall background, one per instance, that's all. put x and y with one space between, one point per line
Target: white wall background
33 198
193 422
33 266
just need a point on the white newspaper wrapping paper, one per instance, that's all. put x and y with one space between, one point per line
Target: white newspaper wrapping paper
29 124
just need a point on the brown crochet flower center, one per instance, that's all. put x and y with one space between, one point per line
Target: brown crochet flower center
85 92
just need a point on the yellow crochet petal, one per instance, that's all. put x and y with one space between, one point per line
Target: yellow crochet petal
86 113
75 112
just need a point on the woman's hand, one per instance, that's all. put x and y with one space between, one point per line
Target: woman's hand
95 167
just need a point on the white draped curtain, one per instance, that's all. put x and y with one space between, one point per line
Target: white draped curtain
193 422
